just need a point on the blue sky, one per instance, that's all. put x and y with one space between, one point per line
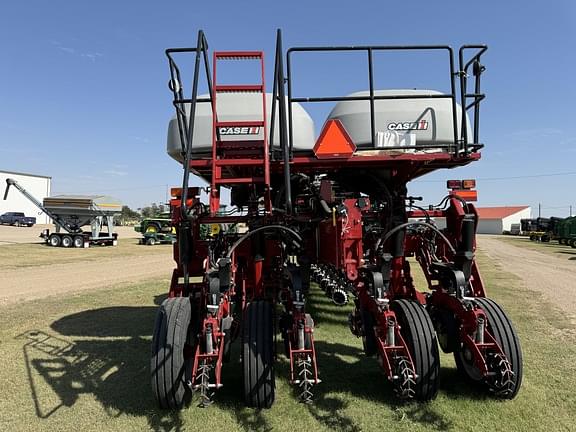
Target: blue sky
84 97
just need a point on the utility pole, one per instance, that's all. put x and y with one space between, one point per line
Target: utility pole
539 209
570 210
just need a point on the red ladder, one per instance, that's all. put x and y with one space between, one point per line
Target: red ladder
250 156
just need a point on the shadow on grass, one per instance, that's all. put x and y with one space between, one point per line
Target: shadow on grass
110 360
361 378
112 364
567 252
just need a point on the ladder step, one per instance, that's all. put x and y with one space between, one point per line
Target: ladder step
239 162
238 55
240 123
240 144
243 88
239 180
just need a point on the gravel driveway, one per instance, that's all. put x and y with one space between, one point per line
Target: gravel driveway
552 276
46 280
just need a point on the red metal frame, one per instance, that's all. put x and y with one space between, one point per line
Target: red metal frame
336 236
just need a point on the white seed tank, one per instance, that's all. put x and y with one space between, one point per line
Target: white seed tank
238 107
400 122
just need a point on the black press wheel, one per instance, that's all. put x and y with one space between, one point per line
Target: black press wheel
67 241
54 240
78 241
258 354
500 326
418 332
168 363
368 337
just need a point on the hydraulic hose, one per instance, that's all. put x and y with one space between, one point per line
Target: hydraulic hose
263 228
432 227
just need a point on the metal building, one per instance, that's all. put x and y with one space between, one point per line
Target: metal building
38 185
495 220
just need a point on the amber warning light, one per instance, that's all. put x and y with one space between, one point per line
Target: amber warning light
334 142
463 189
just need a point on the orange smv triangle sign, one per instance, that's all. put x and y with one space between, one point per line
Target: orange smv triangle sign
334 142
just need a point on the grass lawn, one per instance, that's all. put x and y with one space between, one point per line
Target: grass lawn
81 363
36 254
552 247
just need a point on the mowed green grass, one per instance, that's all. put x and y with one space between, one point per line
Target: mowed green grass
37 254
81 363
552 248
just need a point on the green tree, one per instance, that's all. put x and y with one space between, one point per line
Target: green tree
128 215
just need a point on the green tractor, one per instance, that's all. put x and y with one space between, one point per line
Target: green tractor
565 231
153 225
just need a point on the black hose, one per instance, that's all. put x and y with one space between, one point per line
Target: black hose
432 227
263 228
325 207
426 214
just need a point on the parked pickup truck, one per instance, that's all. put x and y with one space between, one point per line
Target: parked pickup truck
17 218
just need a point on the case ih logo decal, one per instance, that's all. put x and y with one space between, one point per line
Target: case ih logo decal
419 125
236 130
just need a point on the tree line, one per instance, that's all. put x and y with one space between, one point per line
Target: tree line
154 210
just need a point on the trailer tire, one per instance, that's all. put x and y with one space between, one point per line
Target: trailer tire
54 240
418 332
67 241
258 354
168 363
500 326
573 243
78 241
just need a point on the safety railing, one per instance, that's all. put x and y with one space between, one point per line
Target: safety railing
460 142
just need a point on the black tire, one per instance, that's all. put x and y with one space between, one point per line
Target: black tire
168 365
500 326
418 332
78 241
368 336
67 241
54 240
150 241
18 224
573 243
258 354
